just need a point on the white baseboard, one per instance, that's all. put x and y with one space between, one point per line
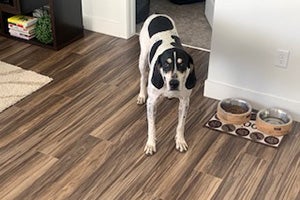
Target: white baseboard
105 26
259 100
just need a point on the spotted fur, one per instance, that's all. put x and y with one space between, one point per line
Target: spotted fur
171 74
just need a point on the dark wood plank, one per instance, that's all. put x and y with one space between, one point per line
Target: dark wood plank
82 136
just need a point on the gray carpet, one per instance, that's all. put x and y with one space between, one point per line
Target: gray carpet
191 23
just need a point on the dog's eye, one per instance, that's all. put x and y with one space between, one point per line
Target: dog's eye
167 67
182 68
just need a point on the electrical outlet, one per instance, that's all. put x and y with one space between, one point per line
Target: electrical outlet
282 57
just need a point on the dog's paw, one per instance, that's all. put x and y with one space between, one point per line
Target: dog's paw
181 145
150 148
141 99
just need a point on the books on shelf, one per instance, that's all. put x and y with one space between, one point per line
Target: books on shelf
28 30
22 26
21 34
22 20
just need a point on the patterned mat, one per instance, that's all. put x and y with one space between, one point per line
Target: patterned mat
247 130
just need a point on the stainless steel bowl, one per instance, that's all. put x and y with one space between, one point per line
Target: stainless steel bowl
234 111
274 116
235 106
274 121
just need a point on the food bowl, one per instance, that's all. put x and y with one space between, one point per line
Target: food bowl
234 111
274 121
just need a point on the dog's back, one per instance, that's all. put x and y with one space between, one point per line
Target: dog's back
160 24
158 34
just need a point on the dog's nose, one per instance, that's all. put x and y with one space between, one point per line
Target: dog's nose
174 84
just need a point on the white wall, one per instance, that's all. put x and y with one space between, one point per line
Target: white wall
112 17
245 37
209 11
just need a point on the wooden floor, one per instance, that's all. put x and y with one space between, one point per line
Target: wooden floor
82 136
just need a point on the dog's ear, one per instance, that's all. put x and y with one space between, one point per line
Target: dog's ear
191 79
157 79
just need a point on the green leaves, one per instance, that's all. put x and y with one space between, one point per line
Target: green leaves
43 30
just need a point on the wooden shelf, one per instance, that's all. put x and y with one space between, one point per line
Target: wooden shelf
66 19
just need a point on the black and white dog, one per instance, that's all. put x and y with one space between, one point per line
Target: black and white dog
171 74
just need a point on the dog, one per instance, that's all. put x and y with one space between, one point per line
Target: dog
171 74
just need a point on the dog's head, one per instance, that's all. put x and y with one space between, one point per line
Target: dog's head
174 68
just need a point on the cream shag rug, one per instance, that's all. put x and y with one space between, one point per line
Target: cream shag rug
16 83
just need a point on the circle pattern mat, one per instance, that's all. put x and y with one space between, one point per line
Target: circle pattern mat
247 130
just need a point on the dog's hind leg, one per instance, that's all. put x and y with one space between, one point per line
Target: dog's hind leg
143 80
143 63
181 144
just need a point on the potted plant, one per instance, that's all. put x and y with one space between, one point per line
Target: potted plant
43 30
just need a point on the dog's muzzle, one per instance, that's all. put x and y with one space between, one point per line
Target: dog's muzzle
174 84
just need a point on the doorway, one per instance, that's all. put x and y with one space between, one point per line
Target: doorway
192 25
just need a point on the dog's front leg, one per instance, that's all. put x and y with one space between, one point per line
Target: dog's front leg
181 144
150 147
